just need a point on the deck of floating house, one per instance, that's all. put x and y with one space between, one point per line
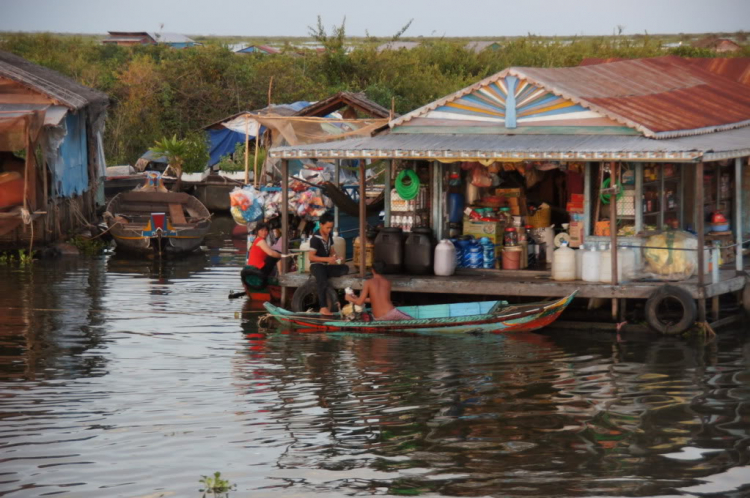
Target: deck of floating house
622 112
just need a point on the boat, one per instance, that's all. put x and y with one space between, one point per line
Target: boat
457 318
153 220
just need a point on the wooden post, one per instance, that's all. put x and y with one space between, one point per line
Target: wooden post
284 210
362 220
255 158
699 228
738 221
587 232
387 191
247 149
613 231
337 182
638 197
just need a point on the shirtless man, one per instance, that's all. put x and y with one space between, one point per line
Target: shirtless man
377 291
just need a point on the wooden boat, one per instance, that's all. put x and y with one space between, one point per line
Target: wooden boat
157 222
458 318
11 190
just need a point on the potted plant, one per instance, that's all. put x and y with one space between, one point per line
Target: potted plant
233 165
187 157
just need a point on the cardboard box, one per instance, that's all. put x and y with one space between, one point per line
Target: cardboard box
576 233
490 229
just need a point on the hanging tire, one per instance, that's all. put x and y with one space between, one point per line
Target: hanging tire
306 297
671 310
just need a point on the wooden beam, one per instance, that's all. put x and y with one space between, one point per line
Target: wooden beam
613 231
699 227
389 164
738 220
337 182
587 201
362 220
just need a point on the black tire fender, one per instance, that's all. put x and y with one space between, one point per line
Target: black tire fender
308 293
689 310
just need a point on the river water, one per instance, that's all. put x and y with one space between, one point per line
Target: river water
128 378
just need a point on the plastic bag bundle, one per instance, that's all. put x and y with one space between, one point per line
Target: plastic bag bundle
670 261
246 204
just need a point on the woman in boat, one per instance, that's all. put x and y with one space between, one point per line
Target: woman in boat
377 292
261 259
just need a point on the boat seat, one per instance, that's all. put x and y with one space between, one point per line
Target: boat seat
175 212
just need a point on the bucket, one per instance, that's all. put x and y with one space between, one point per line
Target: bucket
512 258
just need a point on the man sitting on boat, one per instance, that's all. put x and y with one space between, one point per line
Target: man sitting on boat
325 263
377 291
260 260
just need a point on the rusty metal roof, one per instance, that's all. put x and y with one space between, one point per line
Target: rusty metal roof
735 68
711 147
660 97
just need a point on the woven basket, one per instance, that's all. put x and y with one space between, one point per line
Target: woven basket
542 218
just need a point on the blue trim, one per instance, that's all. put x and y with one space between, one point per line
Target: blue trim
510 103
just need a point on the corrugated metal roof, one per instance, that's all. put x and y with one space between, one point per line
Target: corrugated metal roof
720 145
660 97
48 82
735 68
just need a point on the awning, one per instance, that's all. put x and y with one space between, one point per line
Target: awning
474 147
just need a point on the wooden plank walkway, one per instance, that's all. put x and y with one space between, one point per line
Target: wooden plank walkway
524 283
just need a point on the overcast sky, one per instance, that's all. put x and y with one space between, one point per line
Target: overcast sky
379 17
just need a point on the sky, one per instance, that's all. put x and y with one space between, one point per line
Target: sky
378 17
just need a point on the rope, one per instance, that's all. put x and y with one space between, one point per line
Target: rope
407 192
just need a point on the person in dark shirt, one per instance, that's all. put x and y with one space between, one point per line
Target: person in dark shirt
325 263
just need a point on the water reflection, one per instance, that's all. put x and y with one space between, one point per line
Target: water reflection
111 368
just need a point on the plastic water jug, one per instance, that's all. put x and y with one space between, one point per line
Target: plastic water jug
605 267
389 248
564 264
591 262
579 262
455 208
459 253
419 252
339 245
474 258
445 258
548 237
626 261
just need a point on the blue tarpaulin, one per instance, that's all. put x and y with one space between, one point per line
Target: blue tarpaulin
71 172
223 142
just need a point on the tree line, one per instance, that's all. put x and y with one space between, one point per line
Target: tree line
157 91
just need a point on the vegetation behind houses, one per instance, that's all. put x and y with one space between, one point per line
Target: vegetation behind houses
157 91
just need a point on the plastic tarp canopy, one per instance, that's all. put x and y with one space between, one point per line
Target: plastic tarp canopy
223 142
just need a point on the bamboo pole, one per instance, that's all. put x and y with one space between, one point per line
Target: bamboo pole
337 182
255 159
738 219
247 142
699 227
362 219
389 163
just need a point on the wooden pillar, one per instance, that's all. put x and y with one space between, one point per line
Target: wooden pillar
638 197
613 231
699 228
362 220
284 222
337 182
387 191
587 232
738 221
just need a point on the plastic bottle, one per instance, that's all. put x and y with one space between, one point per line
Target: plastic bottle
564 263
591 261
339 245
474 258
445 258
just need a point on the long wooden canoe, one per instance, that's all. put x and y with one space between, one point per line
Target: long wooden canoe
457 318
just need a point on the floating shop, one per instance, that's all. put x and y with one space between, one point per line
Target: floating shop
635 169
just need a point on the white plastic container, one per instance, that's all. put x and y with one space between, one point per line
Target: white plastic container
445 258
564 264
579 262
305 248
591 261
626 264
339 245
548 236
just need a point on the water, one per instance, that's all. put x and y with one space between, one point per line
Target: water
133 379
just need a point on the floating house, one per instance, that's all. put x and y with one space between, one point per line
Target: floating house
481 46
719 45
258 49
398 45
57 125
130 38
670 137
